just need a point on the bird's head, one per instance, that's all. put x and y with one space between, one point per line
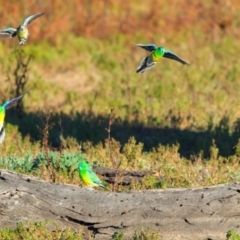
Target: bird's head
160 50
83 165
21 28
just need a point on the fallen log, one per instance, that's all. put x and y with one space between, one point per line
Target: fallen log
193 213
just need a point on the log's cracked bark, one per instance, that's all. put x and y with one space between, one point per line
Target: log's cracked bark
200 213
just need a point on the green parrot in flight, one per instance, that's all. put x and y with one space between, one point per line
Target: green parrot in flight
3 108
21 31
156 54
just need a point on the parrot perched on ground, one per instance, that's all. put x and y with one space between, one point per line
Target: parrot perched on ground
3 108
156 53
88 176
21 31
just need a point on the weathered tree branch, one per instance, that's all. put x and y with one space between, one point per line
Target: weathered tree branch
109 175
201 213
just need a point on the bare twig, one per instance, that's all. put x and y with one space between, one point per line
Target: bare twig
111 152
44 131
18 77
110 147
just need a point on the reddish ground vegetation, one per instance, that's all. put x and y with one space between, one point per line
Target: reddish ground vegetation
102 18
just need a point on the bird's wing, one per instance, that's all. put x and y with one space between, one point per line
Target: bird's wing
29 19
142 64
94 177
11 102
171 55
5 35
145 65
8 32
149 47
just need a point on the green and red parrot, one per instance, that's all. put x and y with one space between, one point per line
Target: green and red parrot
156 54
3 109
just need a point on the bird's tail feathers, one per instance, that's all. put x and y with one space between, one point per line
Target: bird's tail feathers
22 41
100 184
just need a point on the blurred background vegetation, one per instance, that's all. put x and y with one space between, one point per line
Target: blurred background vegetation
82 94
84 100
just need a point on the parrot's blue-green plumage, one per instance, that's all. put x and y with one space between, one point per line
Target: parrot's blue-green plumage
3 108
88 176
21 32
156 54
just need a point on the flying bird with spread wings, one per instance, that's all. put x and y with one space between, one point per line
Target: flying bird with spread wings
156 54
3 109
21 31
